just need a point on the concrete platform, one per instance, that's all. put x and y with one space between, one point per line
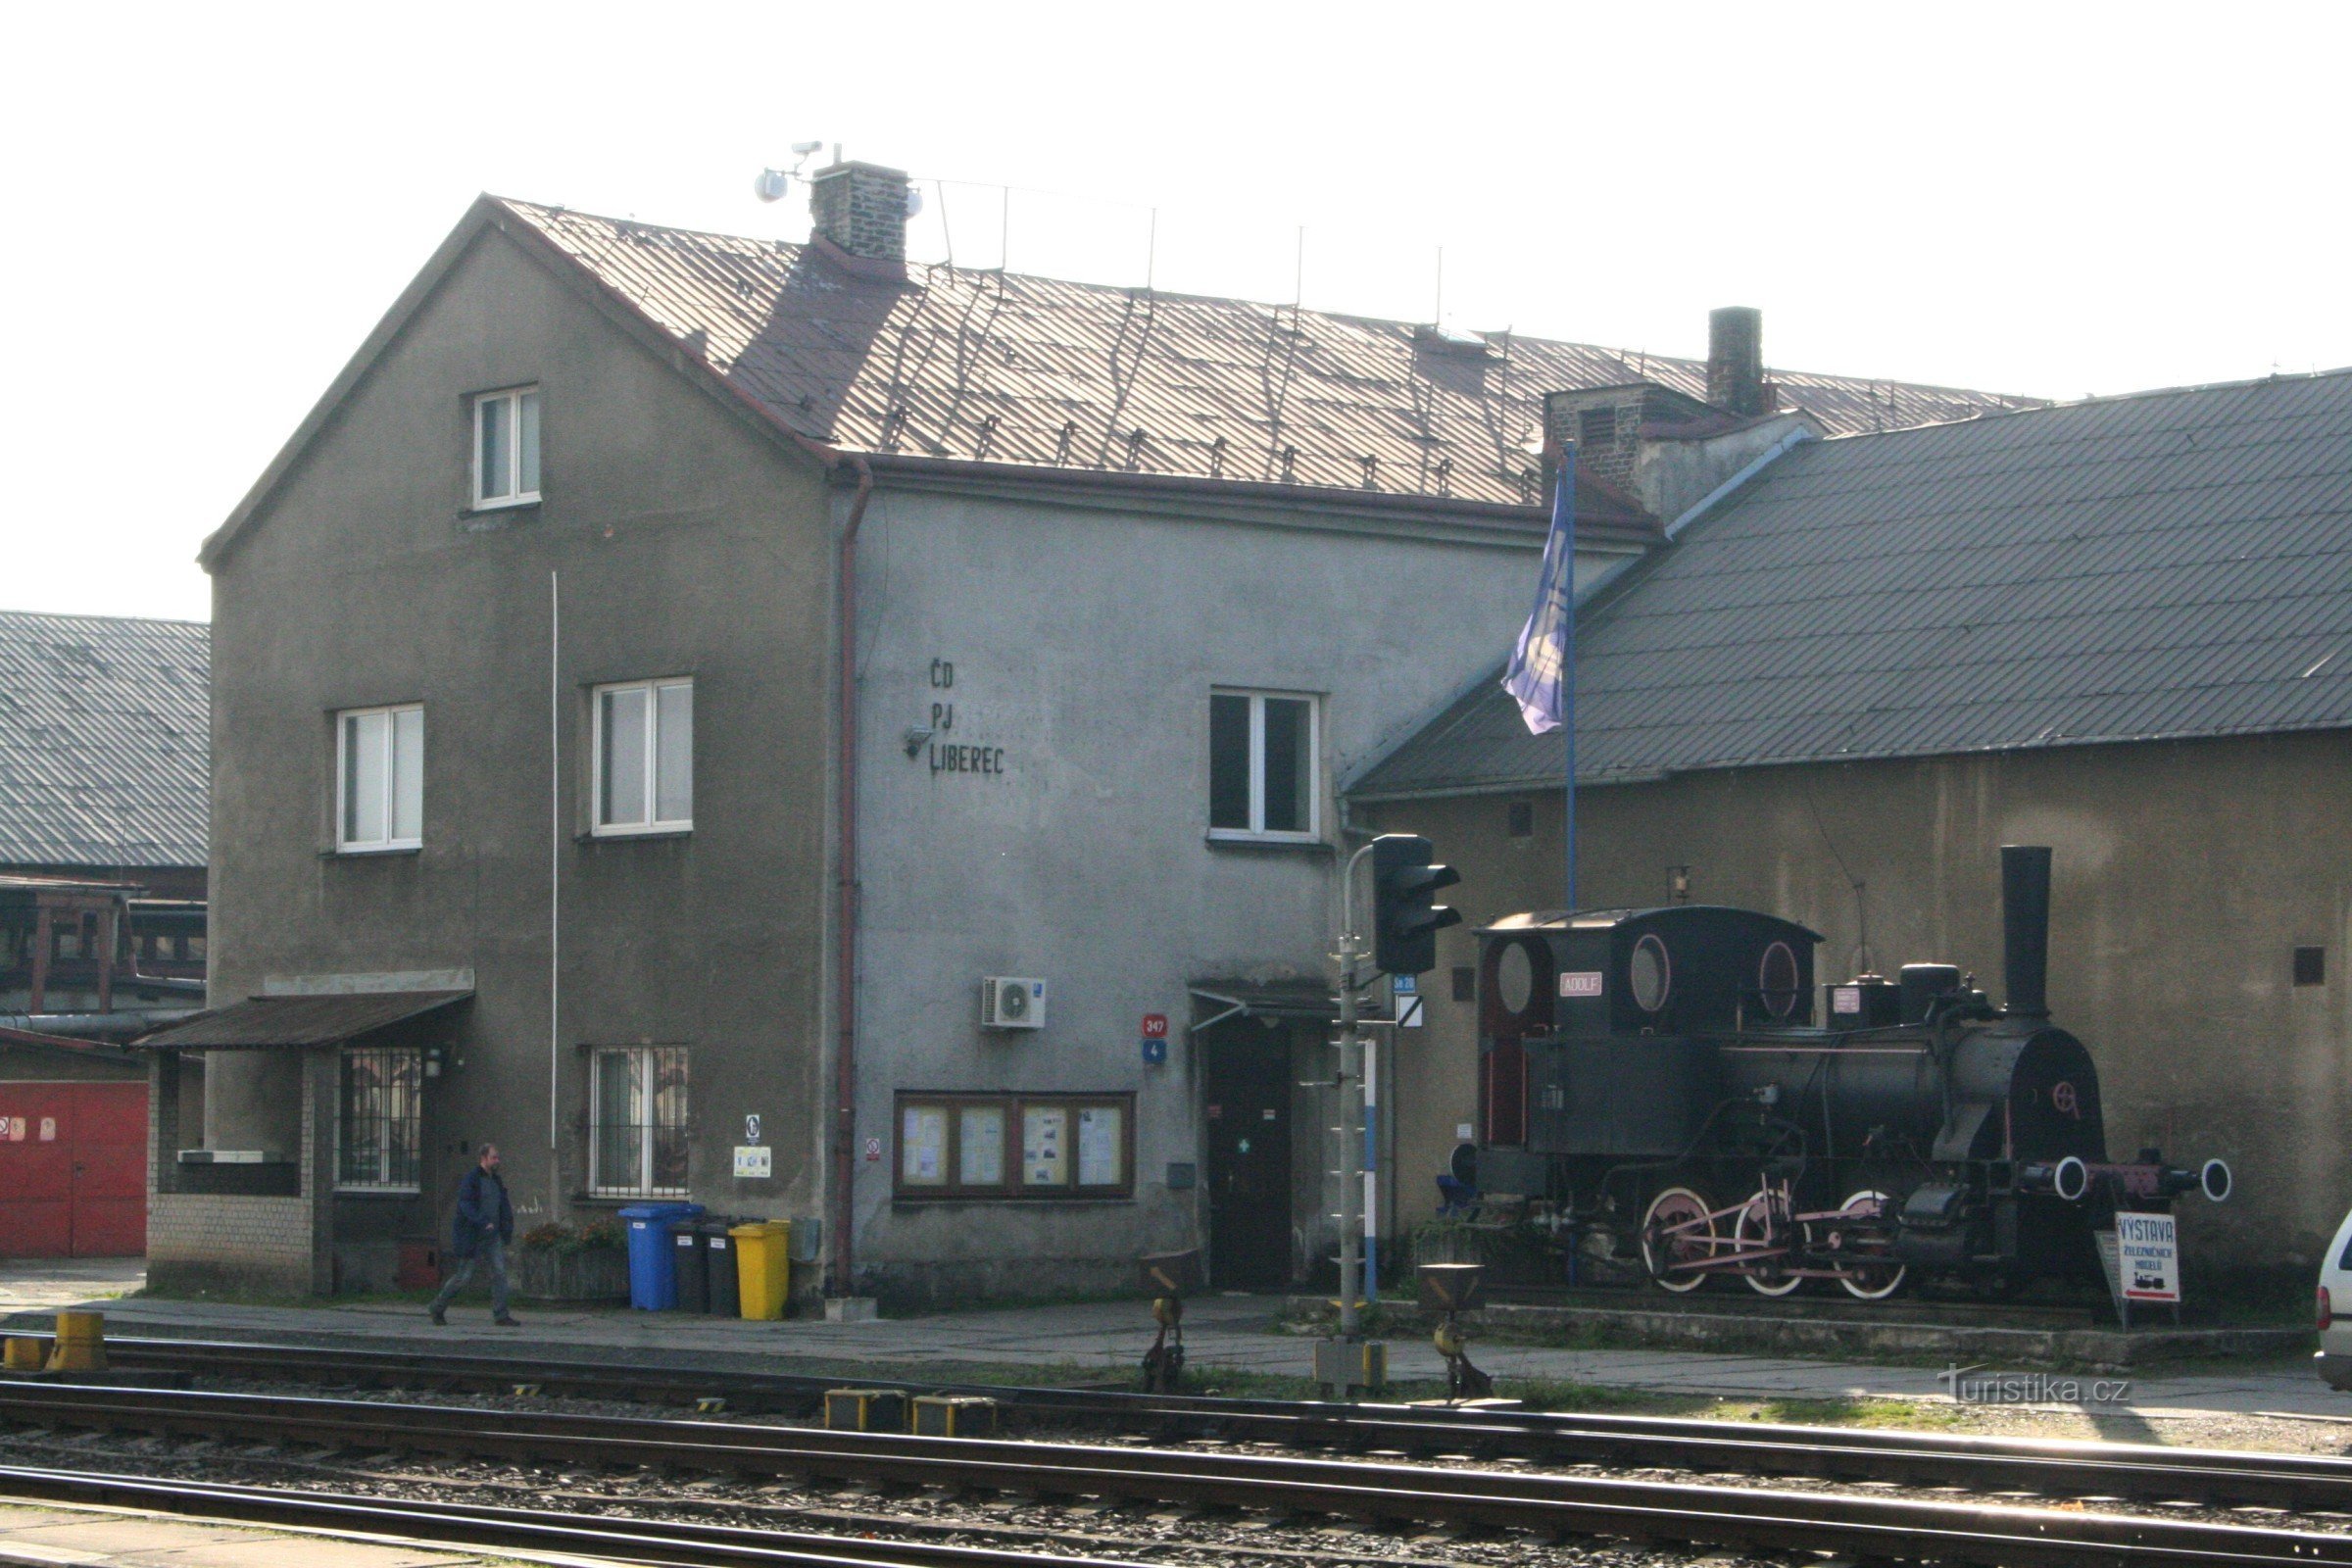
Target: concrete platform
1106 1340
46 1536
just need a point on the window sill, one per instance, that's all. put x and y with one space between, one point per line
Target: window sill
615 1200
495 515
403 1193
505 503
369 852
1221 838
630 835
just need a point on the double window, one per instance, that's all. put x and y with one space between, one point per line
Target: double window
637 1139
644 747
380 1131
379 779
506 447
1262 765
1015 1146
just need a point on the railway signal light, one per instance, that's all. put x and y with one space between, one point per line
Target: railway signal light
1405 916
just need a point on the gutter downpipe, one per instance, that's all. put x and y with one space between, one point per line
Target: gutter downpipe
845 1065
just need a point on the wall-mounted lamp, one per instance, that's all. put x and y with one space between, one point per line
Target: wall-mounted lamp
915 738
1677 883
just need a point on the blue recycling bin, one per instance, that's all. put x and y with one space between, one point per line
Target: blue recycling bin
652 1259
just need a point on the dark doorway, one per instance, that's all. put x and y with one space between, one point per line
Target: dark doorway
1246 1109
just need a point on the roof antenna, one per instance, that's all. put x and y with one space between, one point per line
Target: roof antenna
1298 277
774 183
1152 251
1439 320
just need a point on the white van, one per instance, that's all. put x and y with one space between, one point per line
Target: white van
2335 1305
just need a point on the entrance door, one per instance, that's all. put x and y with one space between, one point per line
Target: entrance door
73 1169
110 1170
1246 1107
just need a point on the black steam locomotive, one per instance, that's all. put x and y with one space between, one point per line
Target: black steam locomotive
1656 1090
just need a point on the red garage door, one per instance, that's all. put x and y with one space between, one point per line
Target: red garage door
73 1170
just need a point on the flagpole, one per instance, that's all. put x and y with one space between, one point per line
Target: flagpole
1567 511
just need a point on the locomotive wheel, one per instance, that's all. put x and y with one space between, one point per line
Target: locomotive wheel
1758 1226
1671 1209
1873 1277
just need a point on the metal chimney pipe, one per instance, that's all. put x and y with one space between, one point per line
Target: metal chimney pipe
2026 929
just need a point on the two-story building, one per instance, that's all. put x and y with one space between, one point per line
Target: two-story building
840 740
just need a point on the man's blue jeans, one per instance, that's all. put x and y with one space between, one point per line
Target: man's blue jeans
491 1253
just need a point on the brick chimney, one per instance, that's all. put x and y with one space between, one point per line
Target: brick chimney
861 210
1736 362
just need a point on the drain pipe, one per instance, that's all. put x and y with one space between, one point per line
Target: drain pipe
845 1065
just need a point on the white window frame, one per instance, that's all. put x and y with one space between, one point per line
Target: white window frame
511 397
644 1063
1257 832
391 844
652 822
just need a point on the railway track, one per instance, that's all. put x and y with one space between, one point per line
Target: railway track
2046 1467
1559 1505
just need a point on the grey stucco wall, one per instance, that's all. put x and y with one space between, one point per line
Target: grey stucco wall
2186 874
1085 644
685 542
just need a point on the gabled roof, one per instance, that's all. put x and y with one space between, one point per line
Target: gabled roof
2175 563
1039 376
103 740
1018 370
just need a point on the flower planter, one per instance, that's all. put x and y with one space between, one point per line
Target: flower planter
590 1274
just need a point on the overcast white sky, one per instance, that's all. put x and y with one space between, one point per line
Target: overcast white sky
209 207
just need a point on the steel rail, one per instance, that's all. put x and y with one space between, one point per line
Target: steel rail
1740 1518
482 1528
2054 1467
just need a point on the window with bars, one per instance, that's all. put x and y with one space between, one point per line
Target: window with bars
637 1143
380 1131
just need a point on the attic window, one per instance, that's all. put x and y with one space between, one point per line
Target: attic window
1596 427
506 448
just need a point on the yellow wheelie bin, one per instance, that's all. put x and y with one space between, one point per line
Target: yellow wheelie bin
763 1267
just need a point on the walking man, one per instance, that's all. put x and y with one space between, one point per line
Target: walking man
478 1235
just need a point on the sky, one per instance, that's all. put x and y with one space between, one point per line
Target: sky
208 208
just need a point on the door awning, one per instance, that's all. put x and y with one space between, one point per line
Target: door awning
1301 1001
267 1023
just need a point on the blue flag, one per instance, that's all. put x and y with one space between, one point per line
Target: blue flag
1540 675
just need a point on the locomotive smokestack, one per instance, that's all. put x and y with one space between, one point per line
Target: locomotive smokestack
2026 929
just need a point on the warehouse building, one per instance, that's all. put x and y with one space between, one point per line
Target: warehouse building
2119 628
842 740
102 880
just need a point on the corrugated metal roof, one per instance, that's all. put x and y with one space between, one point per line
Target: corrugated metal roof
103 750
2170 565
270 1021
1031 370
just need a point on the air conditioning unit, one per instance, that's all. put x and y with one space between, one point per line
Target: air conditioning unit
1011 1002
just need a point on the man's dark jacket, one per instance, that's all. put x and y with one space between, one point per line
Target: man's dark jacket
482 1210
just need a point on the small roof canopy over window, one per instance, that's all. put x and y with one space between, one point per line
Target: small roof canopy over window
286 1022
